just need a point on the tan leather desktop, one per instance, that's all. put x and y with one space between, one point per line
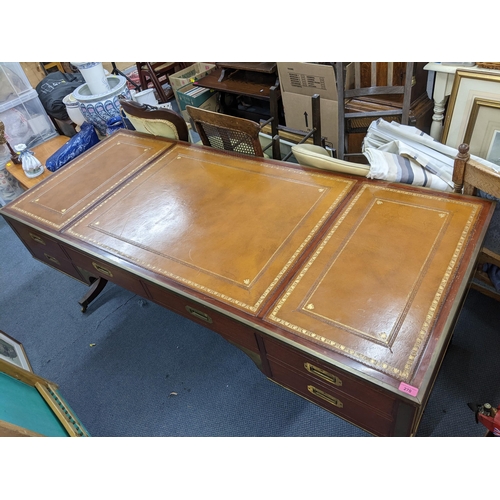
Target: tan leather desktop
342 289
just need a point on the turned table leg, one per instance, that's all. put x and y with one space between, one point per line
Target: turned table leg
95 289
437 119
440 97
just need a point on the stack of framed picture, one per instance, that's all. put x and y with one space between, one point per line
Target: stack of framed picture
473 114
31 405
13 352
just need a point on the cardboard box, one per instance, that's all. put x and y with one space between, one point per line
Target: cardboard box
211 104
189 75
308 79
193 96
298 115
299 82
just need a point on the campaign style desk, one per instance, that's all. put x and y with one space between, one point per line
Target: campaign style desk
341 289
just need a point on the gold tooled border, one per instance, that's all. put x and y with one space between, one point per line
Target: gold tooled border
386 339
76 163
226 298
403 375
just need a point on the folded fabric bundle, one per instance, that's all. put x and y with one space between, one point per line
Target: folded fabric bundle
419 148
397 168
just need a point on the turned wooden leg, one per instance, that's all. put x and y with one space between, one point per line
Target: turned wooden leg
437 119
94 291
440 98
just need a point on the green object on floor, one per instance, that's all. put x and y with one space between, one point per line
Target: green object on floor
24 406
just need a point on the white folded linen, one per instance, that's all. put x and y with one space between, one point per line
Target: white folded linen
400 142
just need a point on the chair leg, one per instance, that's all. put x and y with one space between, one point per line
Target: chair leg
116 71
276 151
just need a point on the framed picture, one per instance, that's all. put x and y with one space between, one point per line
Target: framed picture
468 85
483 130
13 352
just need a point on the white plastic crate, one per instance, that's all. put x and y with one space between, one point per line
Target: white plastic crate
13 82
26 121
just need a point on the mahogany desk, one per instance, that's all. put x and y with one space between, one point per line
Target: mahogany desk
341 289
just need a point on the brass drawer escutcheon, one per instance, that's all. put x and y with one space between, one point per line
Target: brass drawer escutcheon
37 238
52 259
324 395
199 314
323 374
102 270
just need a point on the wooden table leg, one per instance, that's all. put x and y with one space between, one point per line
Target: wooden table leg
95 289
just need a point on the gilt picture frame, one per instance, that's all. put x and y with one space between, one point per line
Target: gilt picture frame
483 130
468 85
13 352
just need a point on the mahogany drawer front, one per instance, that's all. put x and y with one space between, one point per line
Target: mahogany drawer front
101 269
229 328
46 250
38 242
63 265
334 401
320 373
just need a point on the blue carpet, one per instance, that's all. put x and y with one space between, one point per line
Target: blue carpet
129 367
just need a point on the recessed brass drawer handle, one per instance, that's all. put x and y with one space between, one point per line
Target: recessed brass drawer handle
323 374
199 314
37 238
52 259
324 395
102 270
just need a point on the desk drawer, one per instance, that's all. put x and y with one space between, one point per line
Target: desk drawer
98 268
318 372
38 243
229 328
45 249
336 402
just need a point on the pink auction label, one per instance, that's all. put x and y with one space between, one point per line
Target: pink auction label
409 389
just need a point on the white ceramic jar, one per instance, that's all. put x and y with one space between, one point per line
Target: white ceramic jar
98 109
73 109
94 75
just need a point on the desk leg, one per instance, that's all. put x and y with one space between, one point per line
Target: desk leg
95 289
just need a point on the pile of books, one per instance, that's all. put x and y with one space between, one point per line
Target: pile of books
196 91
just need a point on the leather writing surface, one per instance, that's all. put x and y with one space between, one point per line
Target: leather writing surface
231 228
88 178
373 287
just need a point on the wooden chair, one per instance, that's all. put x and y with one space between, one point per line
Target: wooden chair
156 74
229 133
472 178
379 86
116 71
49 66
156 121
297 136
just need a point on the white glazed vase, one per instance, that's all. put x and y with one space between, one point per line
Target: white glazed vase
73 109
99 109
94 75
